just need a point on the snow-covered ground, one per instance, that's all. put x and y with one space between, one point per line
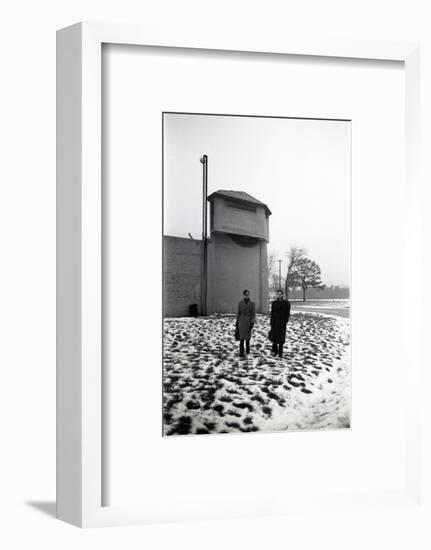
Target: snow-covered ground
339 307
209 389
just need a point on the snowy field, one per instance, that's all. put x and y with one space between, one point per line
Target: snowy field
336 307
209 389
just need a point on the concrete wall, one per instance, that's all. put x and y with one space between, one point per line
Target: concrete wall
228 217
232 268
181 275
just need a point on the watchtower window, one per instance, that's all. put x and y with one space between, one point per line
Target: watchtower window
240 205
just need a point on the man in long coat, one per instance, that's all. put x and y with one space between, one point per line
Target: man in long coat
245 321
280 313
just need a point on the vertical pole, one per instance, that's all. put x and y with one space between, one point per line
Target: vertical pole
279 273
204 292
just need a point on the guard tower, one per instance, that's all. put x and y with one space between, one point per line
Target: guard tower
237 251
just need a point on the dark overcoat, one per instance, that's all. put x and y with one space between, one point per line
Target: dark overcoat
245 319
280 313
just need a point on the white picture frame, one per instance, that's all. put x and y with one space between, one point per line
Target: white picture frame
79 260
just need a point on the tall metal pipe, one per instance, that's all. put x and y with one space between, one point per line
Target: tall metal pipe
204 279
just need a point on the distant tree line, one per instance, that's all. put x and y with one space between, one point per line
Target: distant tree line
332 292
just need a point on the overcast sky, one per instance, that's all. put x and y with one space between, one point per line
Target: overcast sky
299 168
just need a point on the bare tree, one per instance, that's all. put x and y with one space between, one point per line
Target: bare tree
308 274
275 282
271 265
294 254
271 261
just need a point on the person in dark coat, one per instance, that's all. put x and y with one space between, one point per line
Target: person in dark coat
245 321
280 313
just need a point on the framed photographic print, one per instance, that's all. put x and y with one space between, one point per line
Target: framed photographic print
235 216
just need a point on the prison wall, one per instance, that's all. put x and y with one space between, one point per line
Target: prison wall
181 275
234 267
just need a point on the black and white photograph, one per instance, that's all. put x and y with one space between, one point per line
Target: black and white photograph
256 274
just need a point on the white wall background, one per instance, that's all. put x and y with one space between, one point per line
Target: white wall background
27 269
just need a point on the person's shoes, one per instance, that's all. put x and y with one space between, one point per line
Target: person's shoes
273 353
